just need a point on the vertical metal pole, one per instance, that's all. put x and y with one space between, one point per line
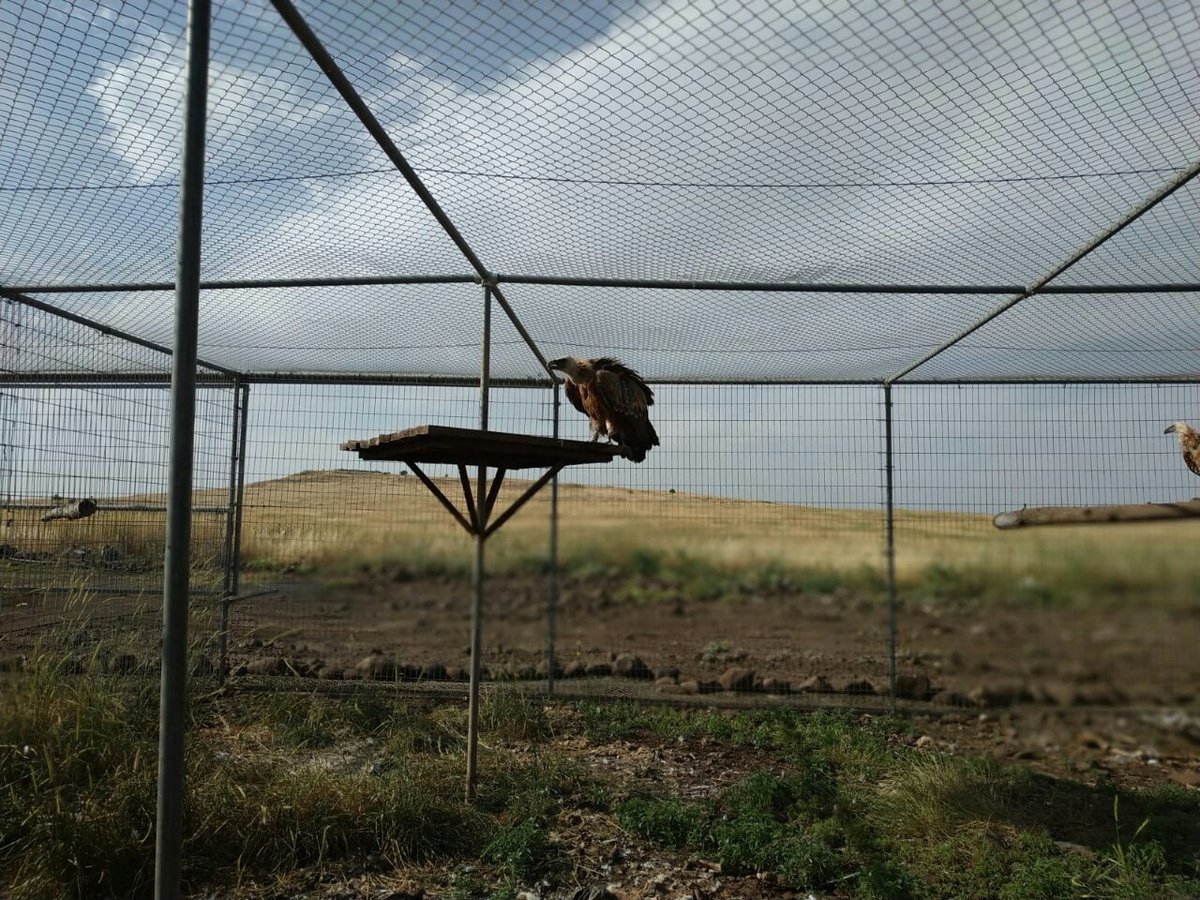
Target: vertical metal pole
239 504
230 521
890 526
477 569
173 701
552 600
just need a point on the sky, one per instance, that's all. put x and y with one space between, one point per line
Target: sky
780 142
812 141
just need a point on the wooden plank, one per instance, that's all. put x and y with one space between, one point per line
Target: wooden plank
1097 515
470 447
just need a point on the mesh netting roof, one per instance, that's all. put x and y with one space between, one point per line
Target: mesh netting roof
940 159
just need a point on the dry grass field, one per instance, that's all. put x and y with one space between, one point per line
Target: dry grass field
1053 753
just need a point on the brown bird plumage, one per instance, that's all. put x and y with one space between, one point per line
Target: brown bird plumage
1189 444
614 398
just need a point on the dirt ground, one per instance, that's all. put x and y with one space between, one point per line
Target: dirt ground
1089 693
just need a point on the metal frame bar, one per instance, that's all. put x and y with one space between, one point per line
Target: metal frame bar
437 492
230 528
1039 286
552 574
118 380
521 501
890 542
19 297
468 496
493 493
168 866
477 570
342 84
634 283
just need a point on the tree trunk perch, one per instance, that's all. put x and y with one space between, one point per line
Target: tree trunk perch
1097 515
76 509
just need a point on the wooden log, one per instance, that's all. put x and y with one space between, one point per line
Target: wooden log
1097 515
76 509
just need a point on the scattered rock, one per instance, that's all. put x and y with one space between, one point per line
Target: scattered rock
265 665
669 672
951 698
862 686
595 892
771 685
576 668
377 667
816 684
737 679
543 670
121 664
992 696
924 742
629 666
598 670
665 681
912 687
433 671
330 673
457 673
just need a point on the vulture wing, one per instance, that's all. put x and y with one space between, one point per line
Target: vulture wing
572 390
626 396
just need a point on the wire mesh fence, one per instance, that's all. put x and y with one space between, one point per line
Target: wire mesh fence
85 473
746 557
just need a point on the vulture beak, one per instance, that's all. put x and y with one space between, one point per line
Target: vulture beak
1168 430
557 363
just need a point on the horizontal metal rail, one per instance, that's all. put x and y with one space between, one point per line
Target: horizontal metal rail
787 287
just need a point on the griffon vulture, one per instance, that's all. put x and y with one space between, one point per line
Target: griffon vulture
615 400
1189 444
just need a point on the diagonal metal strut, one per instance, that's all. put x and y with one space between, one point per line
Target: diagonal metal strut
338 79
1038 286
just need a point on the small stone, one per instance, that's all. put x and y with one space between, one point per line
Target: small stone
265 665
121 664
433 671
737 679
599 670
912 687
772 685
457 673
629 666
576 668
708 687
996 695
815 684
924 742
377 667
542 670
951 698
330 673
665 680
862 686
595 892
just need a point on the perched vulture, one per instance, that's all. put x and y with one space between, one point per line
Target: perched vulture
614 398
1189 444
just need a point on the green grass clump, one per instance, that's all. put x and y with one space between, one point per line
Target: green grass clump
264 794
853 810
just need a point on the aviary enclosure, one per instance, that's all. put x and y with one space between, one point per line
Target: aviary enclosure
891 272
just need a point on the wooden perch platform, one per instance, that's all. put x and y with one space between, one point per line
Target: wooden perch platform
465 447
469 447
1097 515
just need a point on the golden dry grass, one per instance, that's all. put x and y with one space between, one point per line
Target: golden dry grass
342 519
